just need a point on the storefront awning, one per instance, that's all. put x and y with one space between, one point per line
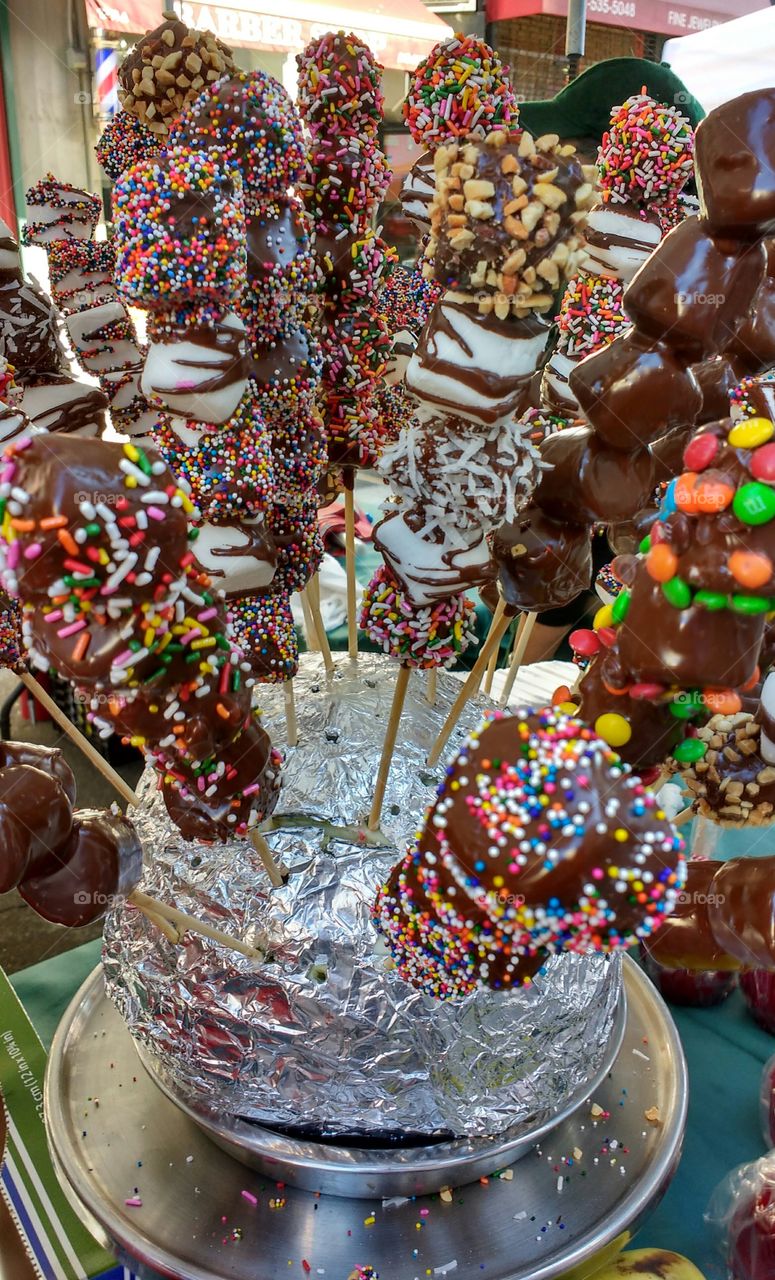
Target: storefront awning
400 32
667 17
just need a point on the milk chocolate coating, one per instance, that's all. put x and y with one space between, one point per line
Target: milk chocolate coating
686 939
35 820
28 329
626 536
633 391
541 564
668 453
695 290
250 754
589 481
752 348
99 863
294 356
735 166
655 732
275 242
717 378
686 647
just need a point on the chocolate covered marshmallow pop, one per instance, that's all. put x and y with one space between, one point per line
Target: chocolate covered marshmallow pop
691 623
539 841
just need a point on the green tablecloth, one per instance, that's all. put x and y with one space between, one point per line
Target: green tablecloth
725 1051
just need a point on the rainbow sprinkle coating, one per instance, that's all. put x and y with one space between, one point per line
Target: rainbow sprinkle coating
11 643
179 231
339 85
539 840
125 141
591 315
251 121
424 638
461 89
407 299
264 629
647 152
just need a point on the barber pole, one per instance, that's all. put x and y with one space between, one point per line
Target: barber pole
106 80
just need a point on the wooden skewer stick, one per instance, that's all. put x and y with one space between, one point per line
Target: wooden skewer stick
469 688
349 552
265 854
523 635
391 733
310 630
433 680
685 815
82 743
500 609
167 930
182 923
313 596
291 723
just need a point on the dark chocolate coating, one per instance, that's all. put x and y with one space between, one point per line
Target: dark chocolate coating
49 760
753 345
626 536
35 820
668 453
28 329
221 339
735 166
717 378
541 564
695 290
633 391
68 414
100 863
275 242
686 940
590 481
686 647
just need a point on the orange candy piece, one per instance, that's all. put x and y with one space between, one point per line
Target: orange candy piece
705 494
755 678
560 695
750 568
722 702
683 494
661 562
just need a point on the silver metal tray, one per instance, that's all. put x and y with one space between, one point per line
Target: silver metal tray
315 1166
115 1137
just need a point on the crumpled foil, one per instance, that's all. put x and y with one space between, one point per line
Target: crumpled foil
324 1037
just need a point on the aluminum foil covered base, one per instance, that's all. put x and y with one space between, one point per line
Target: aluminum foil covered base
323 1037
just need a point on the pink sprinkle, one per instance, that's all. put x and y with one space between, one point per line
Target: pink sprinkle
33 551
24 443
155 513
248 1195
207 615
71 629
193 634
134 1202
54 616
13 555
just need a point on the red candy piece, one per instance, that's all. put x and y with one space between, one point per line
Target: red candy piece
762 464
585 643
700 452
647 692
606 636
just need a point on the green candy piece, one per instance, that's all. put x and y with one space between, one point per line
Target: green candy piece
678 593
645 545
686 706
620 606
749 604
690 750
712 600
754 503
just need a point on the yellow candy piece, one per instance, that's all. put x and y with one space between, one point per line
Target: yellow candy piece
751 433
613 729
568 708
604 617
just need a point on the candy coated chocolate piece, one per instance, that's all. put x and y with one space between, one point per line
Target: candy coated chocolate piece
686 647
735 165
695 290
653 730
589 481
542 564
98 865
35 819
633 391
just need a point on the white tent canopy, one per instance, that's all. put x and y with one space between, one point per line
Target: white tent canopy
724 61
